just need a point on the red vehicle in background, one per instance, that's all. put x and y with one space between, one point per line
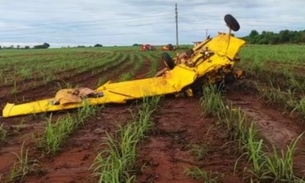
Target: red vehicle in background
147 47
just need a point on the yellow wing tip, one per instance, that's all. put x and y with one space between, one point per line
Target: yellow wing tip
7 109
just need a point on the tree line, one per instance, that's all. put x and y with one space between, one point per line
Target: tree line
41 46
254 37
282 37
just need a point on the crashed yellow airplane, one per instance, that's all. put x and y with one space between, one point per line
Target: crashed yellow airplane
212 61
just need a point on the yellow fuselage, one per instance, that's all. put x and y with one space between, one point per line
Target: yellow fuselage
224 48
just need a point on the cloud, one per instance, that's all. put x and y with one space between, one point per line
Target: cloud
118 22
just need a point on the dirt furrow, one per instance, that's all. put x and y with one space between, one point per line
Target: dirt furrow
17 135
73 162
90 80
143 71
179 131
275 126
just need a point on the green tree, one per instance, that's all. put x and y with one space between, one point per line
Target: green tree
43 46
283 37
98 45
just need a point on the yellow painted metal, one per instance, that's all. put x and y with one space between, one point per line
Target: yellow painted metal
171 82
223 49
226 45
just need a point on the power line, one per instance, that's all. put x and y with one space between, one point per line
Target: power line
84 27
121 22
88 27
125 25
88 34
88 22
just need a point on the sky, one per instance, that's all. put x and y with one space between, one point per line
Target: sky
126 22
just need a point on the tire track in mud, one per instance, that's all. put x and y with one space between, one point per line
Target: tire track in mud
166 153
274 125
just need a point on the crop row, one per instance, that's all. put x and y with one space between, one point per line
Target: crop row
42 69
57 132
276 73
281 66
265 163
115 164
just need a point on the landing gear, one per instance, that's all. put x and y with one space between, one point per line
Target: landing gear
232 22
168 61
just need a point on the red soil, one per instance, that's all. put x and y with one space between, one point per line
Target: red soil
167 150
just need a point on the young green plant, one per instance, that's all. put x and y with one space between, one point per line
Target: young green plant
116 162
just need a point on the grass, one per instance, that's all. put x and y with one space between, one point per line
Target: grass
300 106
56 133
22 167
14 88
211 102
116 162
239 127
200 150
291 101
119 65
155 63
3 133
272 165
282 66
25 73
204 176
292 54
65 62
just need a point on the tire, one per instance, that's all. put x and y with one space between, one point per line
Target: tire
168 61
232 22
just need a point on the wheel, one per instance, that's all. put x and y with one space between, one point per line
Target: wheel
168 61
231 22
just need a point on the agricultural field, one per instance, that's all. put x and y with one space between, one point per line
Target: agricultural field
250 132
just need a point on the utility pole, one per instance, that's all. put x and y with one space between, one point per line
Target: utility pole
176 15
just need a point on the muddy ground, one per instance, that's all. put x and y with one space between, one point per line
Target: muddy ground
164 155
